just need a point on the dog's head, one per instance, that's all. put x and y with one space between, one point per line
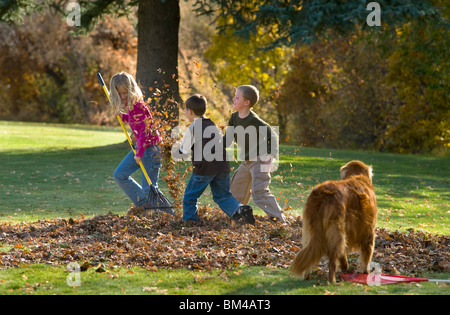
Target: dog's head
353 168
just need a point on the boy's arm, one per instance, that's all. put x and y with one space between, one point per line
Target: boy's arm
272 142
187 142
270 136
182 150
270 159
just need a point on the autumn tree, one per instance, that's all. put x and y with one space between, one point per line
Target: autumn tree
419 70
304 95
293 23
157 29
48 75
303 21
381 91
158 22
236 62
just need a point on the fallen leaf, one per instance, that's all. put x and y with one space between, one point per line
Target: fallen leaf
160 241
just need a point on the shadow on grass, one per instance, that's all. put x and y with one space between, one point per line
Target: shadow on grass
263 280
61 182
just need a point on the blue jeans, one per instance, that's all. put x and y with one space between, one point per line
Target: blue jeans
122 175
220 188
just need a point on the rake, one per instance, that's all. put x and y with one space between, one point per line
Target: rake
157 200
379 279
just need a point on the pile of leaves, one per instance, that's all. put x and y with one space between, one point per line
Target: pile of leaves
163 241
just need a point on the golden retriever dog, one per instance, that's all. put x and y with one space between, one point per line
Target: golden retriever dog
338 217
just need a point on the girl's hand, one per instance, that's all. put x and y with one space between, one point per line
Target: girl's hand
118 113
137 159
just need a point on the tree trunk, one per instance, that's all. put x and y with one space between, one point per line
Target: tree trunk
157 61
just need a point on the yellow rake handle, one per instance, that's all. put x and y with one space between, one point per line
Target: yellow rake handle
124 129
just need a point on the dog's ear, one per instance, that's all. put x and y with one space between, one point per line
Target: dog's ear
370 170
343 172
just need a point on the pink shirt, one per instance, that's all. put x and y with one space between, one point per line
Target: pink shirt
139 119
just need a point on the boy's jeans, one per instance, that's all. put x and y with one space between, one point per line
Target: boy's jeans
220 188
152 163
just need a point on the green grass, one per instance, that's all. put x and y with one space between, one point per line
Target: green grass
413 191
51 171
43 279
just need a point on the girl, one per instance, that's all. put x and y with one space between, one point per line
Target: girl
126 95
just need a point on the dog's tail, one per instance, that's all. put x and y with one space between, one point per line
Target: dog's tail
307 258
313 231
312 243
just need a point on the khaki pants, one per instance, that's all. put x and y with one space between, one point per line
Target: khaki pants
254 176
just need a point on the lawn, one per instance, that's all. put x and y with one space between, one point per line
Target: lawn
43 279
65 171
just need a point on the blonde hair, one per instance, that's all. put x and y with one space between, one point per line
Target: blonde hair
250 92
126 80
